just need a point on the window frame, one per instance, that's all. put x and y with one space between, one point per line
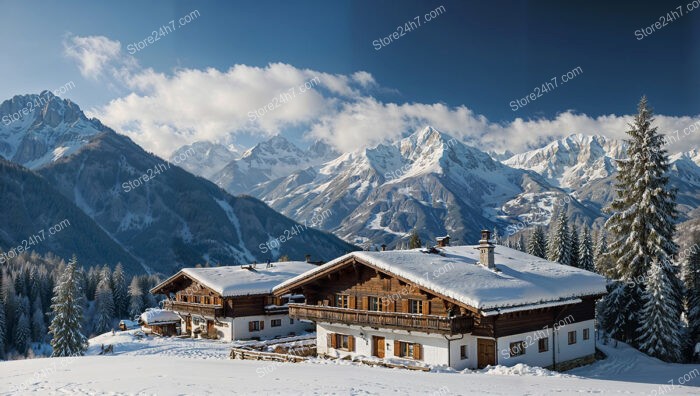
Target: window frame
572 340
342 301
275 322
374 299
517 346
418 306
586 334
342 342
463 352
543 342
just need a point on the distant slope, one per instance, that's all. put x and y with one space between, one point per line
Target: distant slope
30 204
174 219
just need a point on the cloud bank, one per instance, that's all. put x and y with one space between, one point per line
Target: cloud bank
167 110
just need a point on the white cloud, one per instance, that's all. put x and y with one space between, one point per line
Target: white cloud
92 53
168 110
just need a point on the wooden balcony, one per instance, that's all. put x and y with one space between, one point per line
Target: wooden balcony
392 320
194 309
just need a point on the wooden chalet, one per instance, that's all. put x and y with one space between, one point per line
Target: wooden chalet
459 306
233 302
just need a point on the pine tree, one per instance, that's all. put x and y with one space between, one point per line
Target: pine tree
586 251
660 335
121 299
642 225
495 237
415 242
691 278
521 245
135 298
603 260
104 302
3 329
575 246
537 246
22 334
38 323
615 301
560 243
67 312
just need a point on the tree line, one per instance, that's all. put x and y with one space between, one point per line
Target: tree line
45 300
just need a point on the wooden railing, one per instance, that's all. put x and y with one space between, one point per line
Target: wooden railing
394 320
194 308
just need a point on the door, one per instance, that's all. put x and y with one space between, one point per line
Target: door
211 330
378 345
486 351
188 325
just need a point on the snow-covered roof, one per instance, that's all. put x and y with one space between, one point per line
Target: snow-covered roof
521 280
237 281
155 316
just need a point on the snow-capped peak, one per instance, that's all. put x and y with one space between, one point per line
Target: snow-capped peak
38 129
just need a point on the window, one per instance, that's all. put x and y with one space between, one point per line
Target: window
342 301
256 325
343 341
572 337
276 323
463 352
407 350
517 348
415 306
586 334
543 344
291 321
374 304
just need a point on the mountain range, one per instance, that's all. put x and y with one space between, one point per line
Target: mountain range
133 206
435 184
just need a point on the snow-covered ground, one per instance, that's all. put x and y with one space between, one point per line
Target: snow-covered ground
169 366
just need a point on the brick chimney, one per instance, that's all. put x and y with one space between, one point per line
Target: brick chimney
486 250
443 241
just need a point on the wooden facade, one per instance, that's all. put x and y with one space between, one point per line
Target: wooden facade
348 292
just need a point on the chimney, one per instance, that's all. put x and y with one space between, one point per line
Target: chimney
308 258
443 241
486 250
383 247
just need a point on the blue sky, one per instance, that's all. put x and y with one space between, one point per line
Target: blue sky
473 59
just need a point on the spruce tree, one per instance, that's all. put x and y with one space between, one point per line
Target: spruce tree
603 261
537 245
575 246
22 334
495 237
135 298
415 242
691 278
660 334
38 323
121 299
67 311
560 243
3 329
521 245
586 251
104 303
642 226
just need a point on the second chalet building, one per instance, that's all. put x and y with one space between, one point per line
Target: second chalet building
233 302
459 306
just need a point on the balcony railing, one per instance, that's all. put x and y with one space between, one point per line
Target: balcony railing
393 320
194 308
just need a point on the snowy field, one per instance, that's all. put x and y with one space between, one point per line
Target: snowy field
167 366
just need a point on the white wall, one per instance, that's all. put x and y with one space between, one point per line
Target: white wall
581 348
434 345
241 329
564 351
